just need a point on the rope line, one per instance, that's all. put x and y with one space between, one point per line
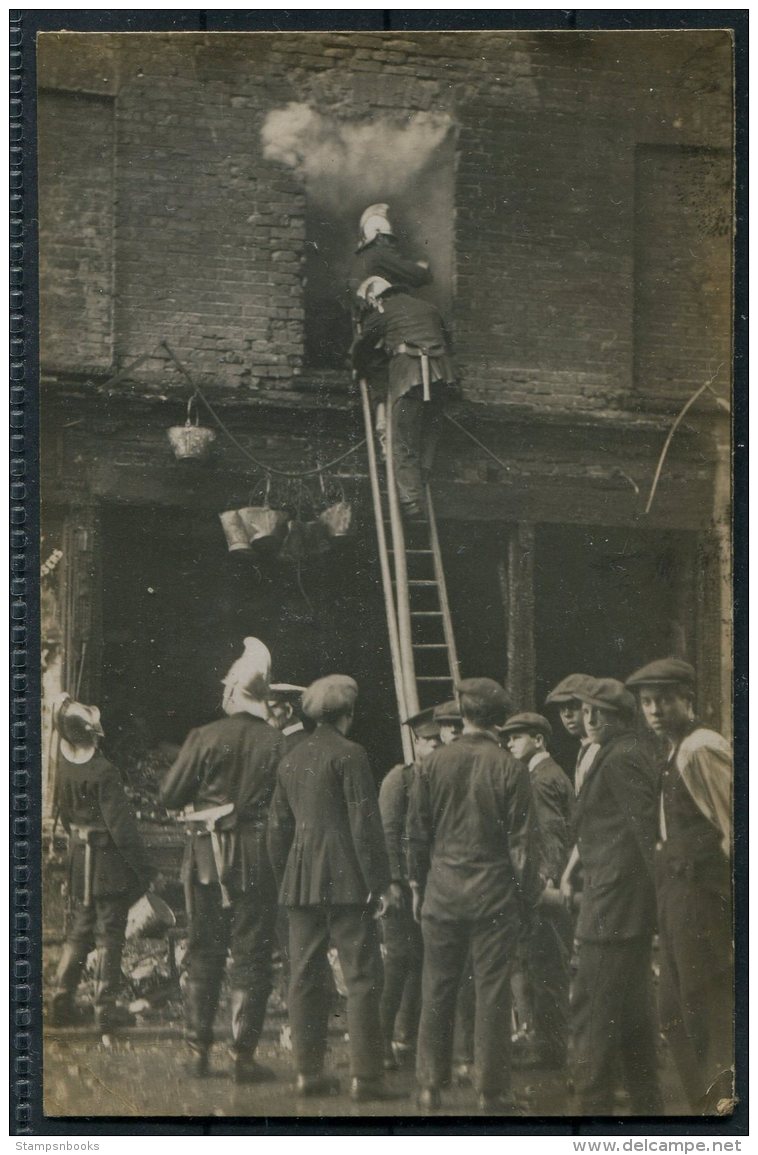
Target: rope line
270 469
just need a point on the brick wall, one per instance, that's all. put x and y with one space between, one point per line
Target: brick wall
209 236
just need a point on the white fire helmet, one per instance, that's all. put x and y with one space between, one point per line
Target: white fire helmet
374 220
251 673
372 288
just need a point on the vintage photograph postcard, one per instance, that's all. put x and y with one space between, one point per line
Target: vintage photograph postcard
386 402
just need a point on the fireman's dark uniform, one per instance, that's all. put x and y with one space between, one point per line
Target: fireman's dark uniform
407 330
231 760
108 869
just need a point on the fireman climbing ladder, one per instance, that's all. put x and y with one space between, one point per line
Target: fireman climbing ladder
422 644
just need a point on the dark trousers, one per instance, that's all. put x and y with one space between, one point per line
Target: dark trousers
695 996
416 429
400 1006
446 945
548 954
247 929
102 924
352 930
614 1026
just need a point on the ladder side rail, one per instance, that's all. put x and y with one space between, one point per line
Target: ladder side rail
401 578
389 604
439 573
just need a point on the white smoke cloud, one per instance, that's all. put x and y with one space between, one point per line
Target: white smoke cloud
351 159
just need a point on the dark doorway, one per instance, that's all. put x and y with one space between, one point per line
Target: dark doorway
608 600
176 606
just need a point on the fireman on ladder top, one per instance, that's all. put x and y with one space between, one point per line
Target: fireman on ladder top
409 336
379 254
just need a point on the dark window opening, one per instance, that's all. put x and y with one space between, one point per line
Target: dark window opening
423 219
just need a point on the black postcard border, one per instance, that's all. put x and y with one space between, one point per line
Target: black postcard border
25 930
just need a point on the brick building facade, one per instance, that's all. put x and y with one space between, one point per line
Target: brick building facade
573 193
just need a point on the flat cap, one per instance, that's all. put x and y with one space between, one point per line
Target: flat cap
423 724
518 723
609 694
568 689
663 672
489 695
448 712
284 692
334 694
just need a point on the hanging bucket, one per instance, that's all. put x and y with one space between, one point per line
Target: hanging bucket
150 917
191 440
262 521
236 535
338 519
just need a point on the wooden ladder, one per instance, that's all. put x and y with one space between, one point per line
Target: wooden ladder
422 643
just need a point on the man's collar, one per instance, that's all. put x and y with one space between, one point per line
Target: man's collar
535 759
479 734
293 728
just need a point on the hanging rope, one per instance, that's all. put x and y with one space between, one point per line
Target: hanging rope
677 422
476 441
317 470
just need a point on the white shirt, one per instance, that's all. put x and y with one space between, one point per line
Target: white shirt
586 758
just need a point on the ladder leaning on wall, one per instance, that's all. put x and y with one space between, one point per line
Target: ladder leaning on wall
422 644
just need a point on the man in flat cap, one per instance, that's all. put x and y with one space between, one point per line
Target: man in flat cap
224 775
612 1007
564 696
327 849
403 947
473 863
693 884
108 865
548 947
448 717
284 701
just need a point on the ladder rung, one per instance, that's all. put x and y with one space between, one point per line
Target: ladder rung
414 551
446 678
426 613
430 645
419 582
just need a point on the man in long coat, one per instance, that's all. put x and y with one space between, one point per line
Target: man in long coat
548 947
227 876
693 885
473 862
327 849
612 1004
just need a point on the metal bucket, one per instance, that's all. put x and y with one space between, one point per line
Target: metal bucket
262 521
338 519
150 917
234 531
190 440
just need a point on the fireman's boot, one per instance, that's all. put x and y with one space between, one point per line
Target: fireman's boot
199 1014
63 1009
108 1015
248 1011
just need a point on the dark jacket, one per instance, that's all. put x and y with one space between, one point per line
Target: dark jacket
231 760
554 803
404 321
382 258
616 830
92 795
325 836
472 834
394 796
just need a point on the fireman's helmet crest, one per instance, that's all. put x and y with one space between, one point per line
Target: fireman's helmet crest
372 288
375 220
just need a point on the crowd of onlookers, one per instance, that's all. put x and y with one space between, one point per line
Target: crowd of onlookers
455 897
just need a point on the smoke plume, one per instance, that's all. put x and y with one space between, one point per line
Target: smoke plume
351 159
